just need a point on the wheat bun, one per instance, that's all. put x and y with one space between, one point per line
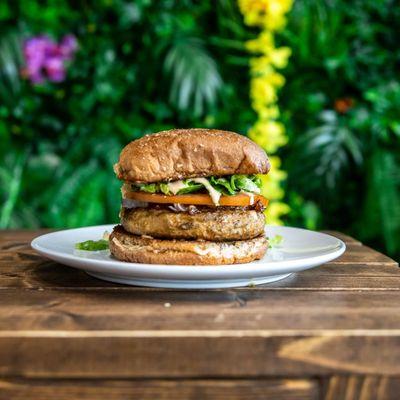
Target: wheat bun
188 153
215 224
143 249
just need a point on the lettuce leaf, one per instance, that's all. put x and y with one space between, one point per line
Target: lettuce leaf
148 187
223 185
191 187
164 188
246 183
92 245
227 185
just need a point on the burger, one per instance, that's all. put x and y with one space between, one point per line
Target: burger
191 197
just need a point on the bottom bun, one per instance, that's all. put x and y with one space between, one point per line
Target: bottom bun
143 249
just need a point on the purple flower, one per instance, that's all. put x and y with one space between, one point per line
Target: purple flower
46 59
34 52
55 69
68 46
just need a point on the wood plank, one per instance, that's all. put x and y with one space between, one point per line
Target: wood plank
348 240
361 388
46 274
198 310
22 236
217 333
246 355
295 389
20 266
364 255
316 279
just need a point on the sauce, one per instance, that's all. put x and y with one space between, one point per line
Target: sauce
251 196
175 187
214 194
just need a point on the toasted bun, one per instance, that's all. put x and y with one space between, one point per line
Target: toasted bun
127 247
187 153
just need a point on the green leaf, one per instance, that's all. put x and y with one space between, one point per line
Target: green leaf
381 217
275 241
191 187
195 78
149 188
223 185
164 188
10 67
12 182
229 185
92 245
246 183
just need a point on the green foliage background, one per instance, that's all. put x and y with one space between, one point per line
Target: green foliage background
145 66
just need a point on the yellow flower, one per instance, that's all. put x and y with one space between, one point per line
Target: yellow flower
265 111
269 15
254 11
275 211
271 187
259 65
269 134
279 57
262 44
263 91
276 13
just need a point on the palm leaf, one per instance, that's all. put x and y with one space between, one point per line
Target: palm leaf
11 181
11 61
382 207
325 153
66 193
195 78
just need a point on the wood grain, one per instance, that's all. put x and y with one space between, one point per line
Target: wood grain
345 238
361 388
39 273
201 310
357 269
339 319
284 389
94 354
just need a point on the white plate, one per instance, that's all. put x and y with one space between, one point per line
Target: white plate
300 249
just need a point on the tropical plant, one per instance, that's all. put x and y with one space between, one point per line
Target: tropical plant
341 102
148 65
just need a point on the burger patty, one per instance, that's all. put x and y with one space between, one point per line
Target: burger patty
132 248
216 224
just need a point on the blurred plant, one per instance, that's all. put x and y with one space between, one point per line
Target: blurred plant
195 77
11 61
327 152
342 99
144 66
269 15
11 181
45 58
380 216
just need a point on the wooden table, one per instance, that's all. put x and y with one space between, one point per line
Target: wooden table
328 333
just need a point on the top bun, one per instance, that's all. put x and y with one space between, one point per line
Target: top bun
188 153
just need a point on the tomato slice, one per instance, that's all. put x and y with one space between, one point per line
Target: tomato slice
239 200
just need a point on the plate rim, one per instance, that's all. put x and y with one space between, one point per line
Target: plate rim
200 270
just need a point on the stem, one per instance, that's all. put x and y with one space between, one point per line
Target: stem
14 189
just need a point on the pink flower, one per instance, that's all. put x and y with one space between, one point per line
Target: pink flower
46 59
55 69
68 46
